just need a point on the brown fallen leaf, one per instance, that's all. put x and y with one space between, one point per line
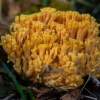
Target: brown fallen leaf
67 97
95 81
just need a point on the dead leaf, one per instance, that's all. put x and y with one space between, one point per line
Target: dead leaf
67 97
95 80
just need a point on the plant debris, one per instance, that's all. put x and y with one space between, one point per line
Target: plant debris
95 81
88 91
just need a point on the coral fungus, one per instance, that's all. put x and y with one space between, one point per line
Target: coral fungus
54 47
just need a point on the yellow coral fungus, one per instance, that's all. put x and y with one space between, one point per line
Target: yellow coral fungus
54 47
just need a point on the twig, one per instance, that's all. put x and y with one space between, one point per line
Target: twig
83 86
90 93
9 97
53 87
90 98
35 89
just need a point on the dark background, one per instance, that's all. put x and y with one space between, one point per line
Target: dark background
10 8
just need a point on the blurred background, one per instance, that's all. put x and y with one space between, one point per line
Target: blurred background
10 8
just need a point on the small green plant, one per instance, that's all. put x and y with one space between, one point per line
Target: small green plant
17 86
